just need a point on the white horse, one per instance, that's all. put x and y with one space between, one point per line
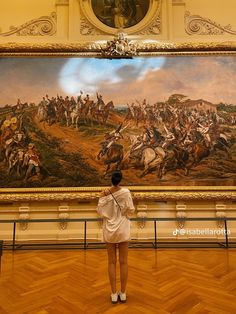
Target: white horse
15 161
41 113
75 115
151 159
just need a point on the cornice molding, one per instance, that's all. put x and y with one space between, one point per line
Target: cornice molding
139 194
94 48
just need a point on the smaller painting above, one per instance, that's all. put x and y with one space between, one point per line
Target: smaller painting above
120 13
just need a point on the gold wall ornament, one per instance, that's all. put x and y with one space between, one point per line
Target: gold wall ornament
86 28
42 26
220 213
119 13
142 213
107 18
93 48
180 214
120 47
139 194
153 29
154 25
198 25
24 214
63 214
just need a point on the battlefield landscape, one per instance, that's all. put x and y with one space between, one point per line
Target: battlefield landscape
64 140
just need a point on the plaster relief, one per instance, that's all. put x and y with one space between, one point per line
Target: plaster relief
42 26
198 25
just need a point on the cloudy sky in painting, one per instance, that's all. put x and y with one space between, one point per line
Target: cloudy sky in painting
122 80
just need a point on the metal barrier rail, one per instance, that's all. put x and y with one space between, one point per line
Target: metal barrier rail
85 244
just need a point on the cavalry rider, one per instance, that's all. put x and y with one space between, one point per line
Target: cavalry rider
142 140
32 160
86 99
109 139
204 130
100 102
6 133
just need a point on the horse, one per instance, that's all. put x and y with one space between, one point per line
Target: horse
221 144
41 113
85 109
104 112
16 161
150 158
75 115
198 152
114 155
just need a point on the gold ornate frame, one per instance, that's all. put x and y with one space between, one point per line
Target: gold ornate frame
93 49
149 20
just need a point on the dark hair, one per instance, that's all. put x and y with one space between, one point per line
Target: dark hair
116 177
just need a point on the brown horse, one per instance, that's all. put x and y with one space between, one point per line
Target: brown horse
198 152
102 115
106 111
85 110
114 155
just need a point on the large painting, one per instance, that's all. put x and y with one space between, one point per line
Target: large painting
165 121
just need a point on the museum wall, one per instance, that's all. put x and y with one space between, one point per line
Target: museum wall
74 21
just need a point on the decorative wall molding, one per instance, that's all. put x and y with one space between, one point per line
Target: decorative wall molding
149 195
150 24
92 49
198 25
86 28
181 214
154 25
141 213
63 213
24 210
220 213
154 28
178 2
62 2
120 46
42 26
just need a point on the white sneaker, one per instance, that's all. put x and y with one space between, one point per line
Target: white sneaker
114 298
122 297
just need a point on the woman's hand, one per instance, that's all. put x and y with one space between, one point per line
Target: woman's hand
105 193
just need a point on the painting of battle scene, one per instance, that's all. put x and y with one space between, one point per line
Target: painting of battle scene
165 121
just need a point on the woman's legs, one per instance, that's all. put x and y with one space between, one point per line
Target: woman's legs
111 251
123 259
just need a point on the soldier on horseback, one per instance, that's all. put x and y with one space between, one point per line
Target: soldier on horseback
110 139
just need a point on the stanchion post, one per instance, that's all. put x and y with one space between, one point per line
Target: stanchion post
1 245
155 229
226 234
14 236
85 234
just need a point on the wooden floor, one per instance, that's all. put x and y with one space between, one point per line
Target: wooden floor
160 281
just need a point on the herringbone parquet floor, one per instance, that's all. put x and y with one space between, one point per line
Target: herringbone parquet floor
160 281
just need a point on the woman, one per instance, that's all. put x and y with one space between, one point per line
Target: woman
115 205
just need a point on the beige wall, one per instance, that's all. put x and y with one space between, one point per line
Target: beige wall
140 231
75 22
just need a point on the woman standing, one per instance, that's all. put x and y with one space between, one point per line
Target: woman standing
115 205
